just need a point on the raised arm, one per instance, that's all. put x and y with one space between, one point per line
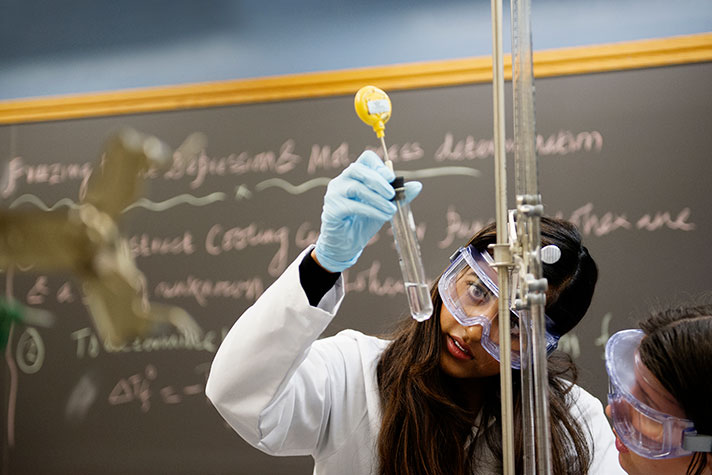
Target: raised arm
268 380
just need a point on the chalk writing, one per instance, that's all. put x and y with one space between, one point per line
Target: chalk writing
407 152
370 281
563 142
200 167
590 223
439 171
138 388
457 229
408 174
202 289
323 158
30 352
184 198
191 287
35 200
18 172
65 293
242 192
143 245
664 219
468 148
305 235
219 240
293 189
88 344
40 291
144 203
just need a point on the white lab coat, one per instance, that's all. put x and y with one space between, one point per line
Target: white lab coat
287 393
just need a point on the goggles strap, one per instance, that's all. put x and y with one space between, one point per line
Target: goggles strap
697 442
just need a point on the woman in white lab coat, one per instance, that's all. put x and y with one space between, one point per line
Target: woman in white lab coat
425 401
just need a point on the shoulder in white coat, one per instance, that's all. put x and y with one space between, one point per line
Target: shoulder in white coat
287 393
589 410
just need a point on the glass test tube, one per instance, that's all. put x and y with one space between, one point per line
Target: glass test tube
411 263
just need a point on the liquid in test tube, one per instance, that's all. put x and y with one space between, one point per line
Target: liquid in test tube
411 263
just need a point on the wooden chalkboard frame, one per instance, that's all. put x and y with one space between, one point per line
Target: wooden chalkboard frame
556 62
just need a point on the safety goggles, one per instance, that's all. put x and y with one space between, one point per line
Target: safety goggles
635 397
469 291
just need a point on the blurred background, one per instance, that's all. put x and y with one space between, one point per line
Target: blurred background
75 46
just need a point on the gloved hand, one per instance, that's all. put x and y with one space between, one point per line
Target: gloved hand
356 204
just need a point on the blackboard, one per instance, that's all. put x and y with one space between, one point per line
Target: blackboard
625 155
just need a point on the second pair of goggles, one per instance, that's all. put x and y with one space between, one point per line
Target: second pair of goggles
632 394
469 291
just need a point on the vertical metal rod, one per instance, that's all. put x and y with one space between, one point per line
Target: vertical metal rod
539 365
537 437
527 390
502 248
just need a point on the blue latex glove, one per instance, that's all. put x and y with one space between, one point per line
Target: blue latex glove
356 204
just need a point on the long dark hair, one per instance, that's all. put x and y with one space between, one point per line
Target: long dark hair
427 427
677 349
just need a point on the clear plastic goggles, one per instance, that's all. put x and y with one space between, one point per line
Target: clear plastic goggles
469 291
640 405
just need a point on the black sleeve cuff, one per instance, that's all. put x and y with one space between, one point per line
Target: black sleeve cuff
316 281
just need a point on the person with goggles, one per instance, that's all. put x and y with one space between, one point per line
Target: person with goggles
660 391
469 291
423 400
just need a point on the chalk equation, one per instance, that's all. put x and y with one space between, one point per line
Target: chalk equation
144 389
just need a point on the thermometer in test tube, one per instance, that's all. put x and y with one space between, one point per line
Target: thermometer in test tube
374 108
